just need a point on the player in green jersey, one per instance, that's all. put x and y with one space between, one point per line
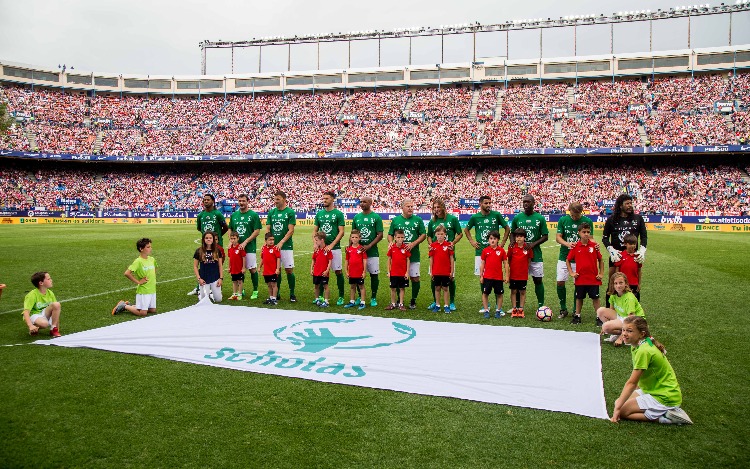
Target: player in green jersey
331 221
414 233
247 225
537 233
370 226
440 217
484 222
567 236
210 219
281 222
40 306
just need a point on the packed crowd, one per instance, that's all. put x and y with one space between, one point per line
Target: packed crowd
373 136
593 97
518 133
377 105
457 135
318 108
532 100
58 139
446 103
487 98
307 122
657 189
15 139
670 128
600 132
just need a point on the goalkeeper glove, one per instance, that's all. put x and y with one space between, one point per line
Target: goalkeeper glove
640 254
614 256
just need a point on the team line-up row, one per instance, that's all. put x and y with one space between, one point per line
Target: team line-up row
651 394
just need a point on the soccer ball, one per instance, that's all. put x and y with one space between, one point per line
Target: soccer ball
544 314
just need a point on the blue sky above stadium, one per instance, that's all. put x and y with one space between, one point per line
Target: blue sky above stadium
161 38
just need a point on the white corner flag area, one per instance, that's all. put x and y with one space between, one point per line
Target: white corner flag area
519 366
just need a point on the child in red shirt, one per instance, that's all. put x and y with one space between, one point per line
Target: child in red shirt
270 264
398 269
356 257
492 270
589 267
236 266
628 265
321 262
442 267
519 256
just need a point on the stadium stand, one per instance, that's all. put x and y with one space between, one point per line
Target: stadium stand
658 188
677 111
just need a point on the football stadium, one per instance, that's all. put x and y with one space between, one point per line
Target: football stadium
471 263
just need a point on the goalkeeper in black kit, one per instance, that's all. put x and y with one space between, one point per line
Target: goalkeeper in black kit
622 222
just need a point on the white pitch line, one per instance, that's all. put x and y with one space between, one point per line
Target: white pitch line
101 294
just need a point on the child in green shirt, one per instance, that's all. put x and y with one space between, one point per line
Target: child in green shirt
652 393
142 272
40 307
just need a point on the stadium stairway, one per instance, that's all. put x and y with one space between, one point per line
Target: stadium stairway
407 142
479 176
342 111
571 95
340 138
644 136
745 176
557 134
480 140
498 104
99 142
409 102
474 103
31 137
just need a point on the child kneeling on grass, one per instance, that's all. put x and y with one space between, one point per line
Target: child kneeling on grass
40 307
142 272
652 393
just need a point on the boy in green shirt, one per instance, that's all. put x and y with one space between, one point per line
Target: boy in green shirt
40 307
142 272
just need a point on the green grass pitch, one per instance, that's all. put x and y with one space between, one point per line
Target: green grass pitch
90 408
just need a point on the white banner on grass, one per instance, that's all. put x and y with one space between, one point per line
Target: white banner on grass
526 367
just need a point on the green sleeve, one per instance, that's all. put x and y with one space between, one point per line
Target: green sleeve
470 223
198 223
544 230
641 359
378 224
294 217
430 230
257 225
342 219
29 301
420 227
317 220
456 225
392 228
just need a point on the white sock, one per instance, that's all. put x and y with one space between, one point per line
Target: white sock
664 420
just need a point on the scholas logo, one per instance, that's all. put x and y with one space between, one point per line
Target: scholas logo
317 336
